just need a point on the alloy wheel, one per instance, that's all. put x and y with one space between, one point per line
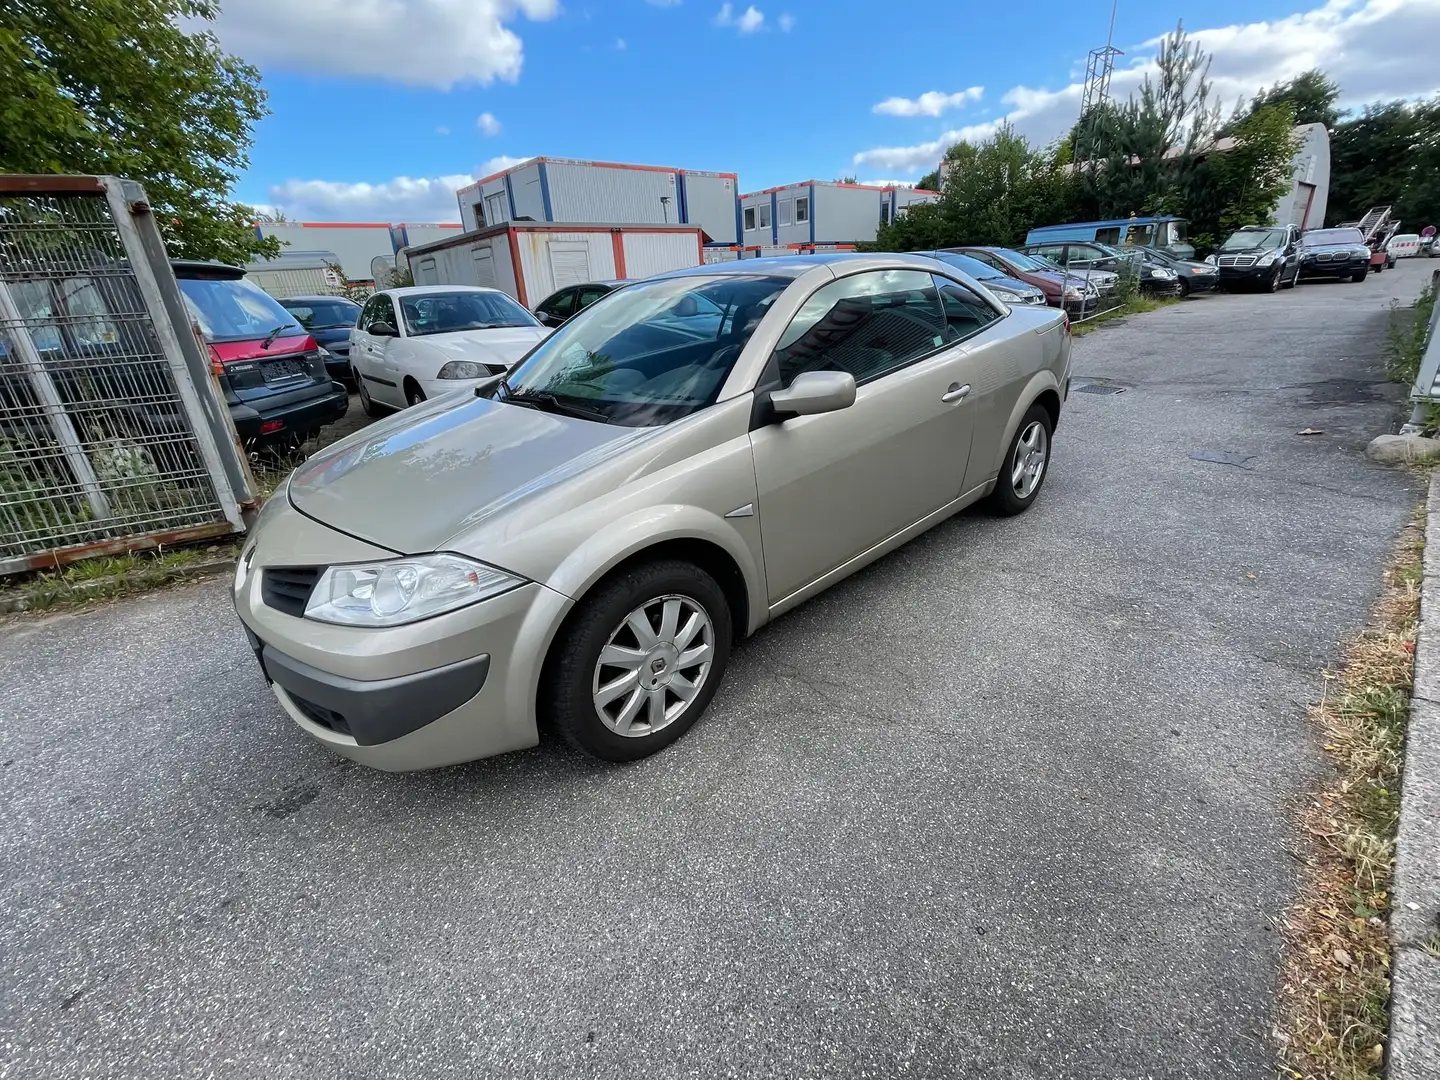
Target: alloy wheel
653 665
1028 465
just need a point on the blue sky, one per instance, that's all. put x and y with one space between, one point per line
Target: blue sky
381 109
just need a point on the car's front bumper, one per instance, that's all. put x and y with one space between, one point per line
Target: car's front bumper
1247 275
1312 270
443 690
1196 283
1160 286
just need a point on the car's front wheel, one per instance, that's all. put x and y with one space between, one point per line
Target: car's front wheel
1023 473
638 662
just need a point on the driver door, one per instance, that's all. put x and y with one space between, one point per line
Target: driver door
368 353
834 485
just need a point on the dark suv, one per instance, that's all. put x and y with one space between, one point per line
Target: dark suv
270 369
1260 256
329 320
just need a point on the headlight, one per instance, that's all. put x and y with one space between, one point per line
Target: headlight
1210 259
464 369
1265 260
1072 293
403 590
1163 275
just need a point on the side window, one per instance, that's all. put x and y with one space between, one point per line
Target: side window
1108 236
379 309
587 296
1052 251
763 215
1140 235
965 313
867 324
783 209
802 209
749 219
562 304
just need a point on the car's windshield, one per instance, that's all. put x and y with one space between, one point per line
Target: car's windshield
1162 257
1332 236
233 309
449 312
323 314
1026 262
1246 239
974 267
647 354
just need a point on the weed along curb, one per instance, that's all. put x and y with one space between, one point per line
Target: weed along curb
80 592
1415 914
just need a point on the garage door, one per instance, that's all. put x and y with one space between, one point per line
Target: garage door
569 262
485 267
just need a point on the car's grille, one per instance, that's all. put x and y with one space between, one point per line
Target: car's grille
288 588
1236 260
319 714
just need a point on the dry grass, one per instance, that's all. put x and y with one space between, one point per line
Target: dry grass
1333 1014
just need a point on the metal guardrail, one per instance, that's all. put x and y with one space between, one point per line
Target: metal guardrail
112 436
1426 390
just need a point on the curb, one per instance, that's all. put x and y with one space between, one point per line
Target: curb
10 605
1415 907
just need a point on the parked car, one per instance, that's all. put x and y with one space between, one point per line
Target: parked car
329 320
587 537
1154 277
571 300
1194 277
1011 290
1075 294
420 341
270 368
1334 253
1260 256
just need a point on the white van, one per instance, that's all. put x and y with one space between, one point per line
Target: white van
1403 245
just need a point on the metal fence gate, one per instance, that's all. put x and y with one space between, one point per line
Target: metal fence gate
111 433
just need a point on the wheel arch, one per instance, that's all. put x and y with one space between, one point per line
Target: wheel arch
1043 389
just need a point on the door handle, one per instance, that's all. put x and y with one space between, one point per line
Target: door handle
955 393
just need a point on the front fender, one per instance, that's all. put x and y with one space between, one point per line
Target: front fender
646 528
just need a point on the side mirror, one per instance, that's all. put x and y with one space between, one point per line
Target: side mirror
383 329
815 392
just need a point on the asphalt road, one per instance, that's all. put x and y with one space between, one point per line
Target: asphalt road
1011 803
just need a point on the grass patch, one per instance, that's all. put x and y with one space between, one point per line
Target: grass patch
1405 337
1136 305
1334 1002
101 579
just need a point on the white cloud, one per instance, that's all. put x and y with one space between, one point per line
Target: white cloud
620 45
930 103
747 22
1375 49
401 199
487 123
786 23
429 43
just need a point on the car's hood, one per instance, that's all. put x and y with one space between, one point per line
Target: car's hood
1010 284
501 346
414 481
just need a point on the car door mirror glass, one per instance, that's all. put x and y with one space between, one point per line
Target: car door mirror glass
381 328
814 392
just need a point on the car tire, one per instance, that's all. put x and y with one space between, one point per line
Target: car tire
366 401
1014 495
1358 277
1184 288
575 681
414 395
1377 269
1294 279
1273 285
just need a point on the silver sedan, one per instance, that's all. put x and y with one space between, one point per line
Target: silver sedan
575 547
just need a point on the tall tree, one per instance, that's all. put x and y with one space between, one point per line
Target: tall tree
1311 94
1240 181
140 89
1388 155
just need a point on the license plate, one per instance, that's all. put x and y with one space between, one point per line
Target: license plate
282 370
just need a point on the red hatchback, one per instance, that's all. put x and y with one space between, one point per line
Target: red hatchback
271 370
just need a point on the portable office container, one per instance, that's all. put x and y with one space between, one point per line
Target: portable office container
355 244
562 190
530 260
902 198
818 212
296 273
411 235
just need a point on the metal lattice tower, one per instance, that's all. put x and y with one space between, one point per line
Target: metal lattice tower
1098 69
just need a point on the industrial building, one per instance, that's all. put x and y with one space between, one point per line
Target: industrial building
354 244
821 213
530 260
601 192
296 273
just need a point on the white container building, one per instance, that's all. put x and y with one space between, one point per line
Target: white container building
823 214
568 191
530 260
354 244
296 273
410 235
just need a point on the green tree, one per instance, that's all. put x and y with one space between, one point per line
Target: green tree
1240 180
139 89
846 180
1387 156
1311 94
930 181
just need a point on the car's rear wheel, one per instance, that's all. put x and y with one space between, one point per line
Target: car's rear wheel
638 662
413 394
366 401
1026 464
1358 277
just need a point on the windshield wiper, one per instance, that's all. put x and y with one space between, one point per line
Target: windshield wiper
270 337
548 402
